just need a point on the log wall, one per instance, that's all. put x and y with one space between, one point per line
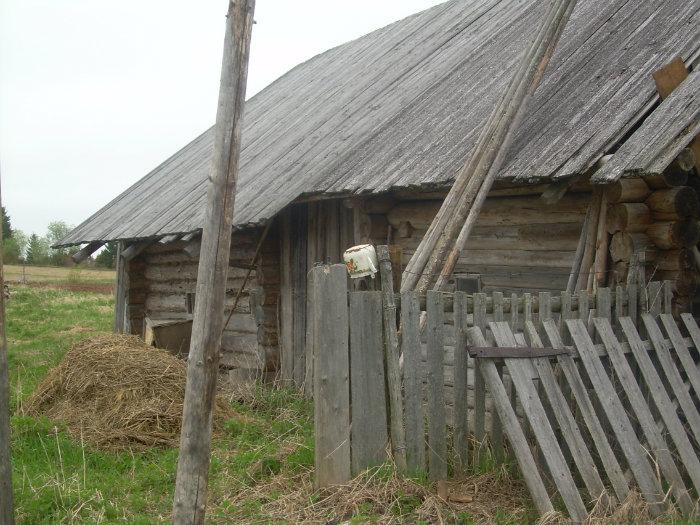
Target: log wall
161 278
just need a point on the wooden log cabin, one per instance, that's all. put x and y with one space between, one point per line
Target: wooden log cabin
361 143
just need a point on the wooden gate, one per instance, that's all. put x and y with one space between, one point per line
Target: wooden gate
589 391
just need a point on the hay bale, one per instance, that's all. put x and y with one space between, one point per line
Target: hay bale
116 392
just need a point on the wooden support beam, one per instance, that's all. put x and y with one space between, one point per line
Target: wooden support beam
444 242
135 249
86 251
208 322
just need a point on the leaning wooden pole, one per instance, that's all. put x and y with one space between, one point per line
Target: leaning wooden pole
446 238
203 362
6 503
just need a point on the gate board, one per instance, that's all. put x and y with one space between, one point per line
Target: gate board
658 454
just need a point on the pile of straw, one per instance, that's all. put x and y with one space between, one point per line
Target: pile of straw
115 392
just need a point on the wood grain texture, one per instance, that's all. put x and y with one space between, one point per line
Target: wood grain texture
618 420
636 399
437 428
331 381
461 384
368 436
515 434
441 70
412 382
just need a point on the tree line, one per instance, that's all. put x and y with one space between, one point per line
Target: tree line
36 250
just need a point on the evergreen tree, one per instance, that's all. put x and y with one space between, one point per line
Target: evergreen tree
107 257
6 225
37 250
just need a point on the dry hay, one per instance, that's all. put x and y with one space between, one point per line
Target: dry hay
116 392
384 497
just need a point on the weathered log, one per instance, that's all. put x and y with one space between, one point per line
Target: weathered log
671 235
600 264
674 260
202 370
593 215
86 251
498 211
631 217
624 245
681 201
667 179
628 190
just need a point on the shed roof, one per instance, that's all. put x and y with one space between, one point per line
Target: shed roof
402 107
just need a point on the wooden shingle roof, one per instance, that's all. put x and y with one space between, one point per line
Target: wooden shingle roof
402 107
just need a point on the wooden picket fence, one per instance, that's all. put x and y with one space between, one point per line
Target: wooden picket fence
539 397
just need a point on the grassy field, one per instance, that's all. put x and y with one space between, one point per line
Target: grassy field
262 463
54 274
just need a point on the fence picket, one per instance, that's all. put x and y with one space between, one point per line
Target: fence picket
479 387
412 382
437 439
368 407
461 419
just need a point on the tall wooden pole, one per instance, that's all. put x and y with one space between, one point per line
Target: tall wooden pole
208 323
441 247
6 505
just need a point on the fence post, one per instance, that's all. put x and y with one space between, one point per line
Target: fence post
331 368
393 372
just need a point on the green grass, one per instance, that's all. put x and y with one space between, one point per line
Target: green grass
58 480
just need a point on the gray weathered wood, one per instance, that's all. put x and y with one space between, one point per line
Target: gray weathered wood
437 430
7 515
567 423
588 414
631 291
681 348
663 402
286 300
310 335
603 303
479 386
637 402
86 251
368 436
412 381
391 359
655 297
331 368
461 386
135 249
496 436
208 321
673 376
514 317
299 287
635 454
121 292
515 434
668 297
521 374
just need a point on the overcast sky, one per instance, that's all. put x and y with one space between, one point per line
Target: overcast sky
94 94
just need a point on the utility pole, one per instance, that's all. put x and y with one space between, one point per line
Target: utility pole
7 514
203 363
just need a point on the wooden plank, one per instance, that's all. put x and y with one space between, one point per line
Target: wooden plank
496 427
479 385
515 352
437 437
299 271
368 436
331 367
567 423
681 348
527 307
589 415
312 256
461 385
121 292
286 301
391 360
665 406
412 381
603 303
673 376
513 430
545 306
514 321
633 450
632 306
637 402
655 297
521 374
668 297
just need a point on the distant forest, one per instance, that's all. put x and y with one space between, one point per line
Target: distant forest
36 250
